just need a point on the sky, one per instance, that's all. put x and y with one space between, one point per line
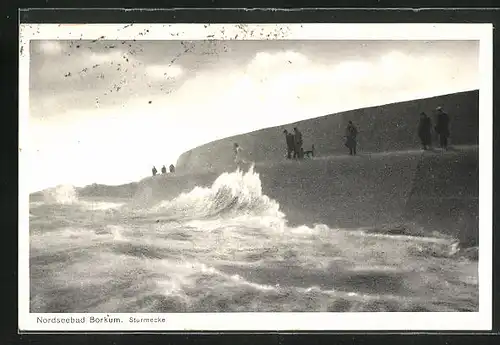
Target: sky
107 111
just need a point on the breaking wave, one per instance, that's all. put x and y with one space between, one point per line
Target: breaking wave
232 194
62 194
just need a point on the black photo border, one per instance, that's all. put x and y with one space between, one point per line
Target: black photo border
115 13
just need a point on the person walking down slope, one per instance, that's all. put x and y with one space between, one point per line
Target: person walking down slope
237 154
290 145
298 143
171 168
424 130
351 133
163 170
442 128
154 171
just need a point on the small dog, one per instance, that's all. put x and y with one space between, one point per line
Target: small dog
309 153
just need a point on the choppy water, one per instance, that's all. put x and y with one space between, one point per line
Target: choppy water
228 248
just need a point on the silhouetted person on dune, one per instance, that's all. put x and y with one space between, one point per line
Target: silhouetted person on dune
442 127
351 133
290 145
237 153
424 130
298 143
163 170
171 168
154 171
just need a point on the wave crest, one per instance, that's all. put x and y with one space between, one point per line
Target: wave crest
237 193
62 194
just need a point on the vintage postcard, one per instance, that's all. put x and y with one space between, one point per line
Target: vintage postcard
195 177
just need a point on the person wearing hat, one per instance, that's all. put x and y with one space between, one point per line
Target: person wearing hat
442 127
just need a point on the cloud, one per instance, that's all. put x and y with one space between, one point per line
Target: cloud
393 71
286 86
162 72
351 72
87 79
50 47
105 57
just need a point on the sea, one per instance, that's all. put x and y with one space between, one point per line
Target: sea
228 247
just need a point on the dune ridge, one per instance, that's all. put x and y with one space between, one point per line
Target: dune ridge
391 127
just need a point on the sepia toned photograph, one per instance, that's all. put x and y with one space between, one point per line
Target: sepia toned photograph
252 175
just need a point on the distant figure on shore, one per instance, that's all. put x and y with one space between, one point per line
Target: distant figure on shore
171 168
351 133
163 170
309 153
442 127
424 130
298 143
290 145
154 171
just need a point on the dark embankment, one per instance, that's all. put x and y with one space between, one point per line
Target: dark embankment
445 193
384 128
411 193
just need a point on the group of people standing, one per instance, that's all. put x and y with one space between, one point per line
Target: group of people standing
294 140
442 129
294 144
171 168
295 148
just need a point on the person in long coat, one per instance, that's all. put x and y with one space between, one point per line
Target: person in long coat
442 127
351 133
424 130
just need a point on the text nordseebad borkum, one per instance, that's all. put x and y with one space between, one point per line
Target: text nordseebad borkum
73 320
